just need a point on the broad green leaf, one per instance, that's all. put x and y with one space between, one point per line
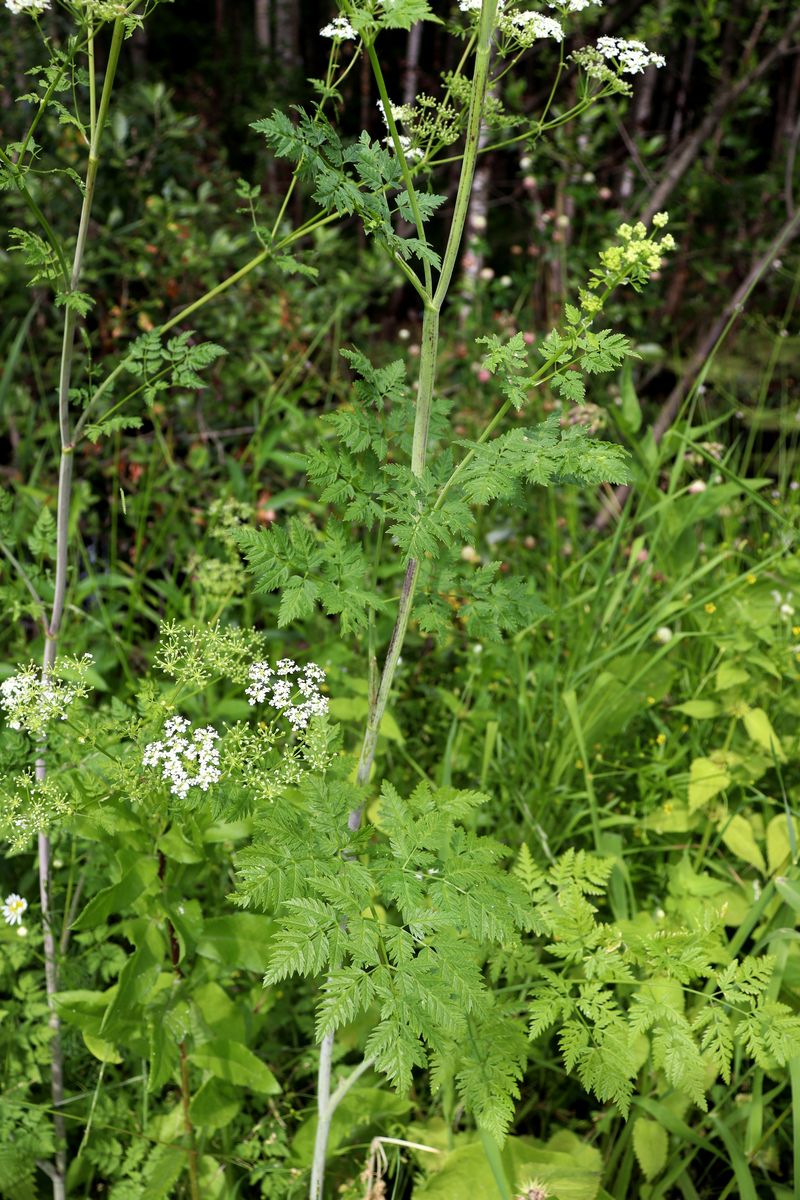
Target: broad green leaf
118 897
354 708
737 834
671 817
707 779
701 710
234 1063
175 846
237 940
783 840
163 1052
759 729
187 922
650 1145
221 1014
82 1008
213 1106
137 978
105 1051
729 676
567 1167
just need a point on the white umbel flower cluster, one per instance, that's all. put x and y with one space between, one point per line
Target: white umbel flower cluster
27 6
632 56
291 689
573 6
339 29
531 25
13 909
186 761
31 702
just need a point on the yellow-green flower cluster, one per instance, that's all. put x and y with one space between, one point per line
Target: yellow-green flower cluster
631 259
29 806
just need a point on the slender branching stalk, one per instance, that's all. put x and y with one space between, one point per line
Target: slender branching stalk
54 622
433 301
427 379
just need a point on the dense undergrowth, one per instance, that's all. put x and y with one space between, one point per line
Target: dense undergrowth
553 923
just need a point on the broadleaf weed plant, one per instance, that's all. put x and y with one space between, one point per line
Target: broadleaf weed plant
401 909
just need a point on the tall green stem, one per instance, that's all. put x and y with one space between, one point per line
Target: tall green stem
53 629
427 378
419 452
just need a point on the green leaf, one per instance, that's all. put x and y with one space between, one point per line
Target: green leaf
78 302
738 836
402 14
759 729
729 676
164 1168
117 897
110 425
706 780
214 1105
234 1063
42 538
789 891
355 708
162 1052
105 1051
630 410
650 1145
240 940
137 977
566 1167
700 710
782 841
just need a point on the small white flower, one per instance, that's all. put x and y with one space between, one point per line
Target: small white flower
632 56
280 691
663 634
177 753
573 6
534 25
339 29
30 6
30 701
13 909
782 603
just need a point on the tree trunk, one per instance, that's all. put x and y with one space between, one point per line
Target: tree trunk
411 73
287 31
262 24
